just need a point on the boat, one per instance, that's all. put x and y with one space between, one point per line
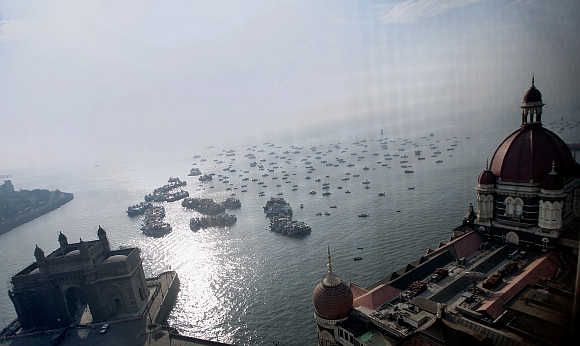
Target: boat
333 206
289 227
363 215
194 172
312 192
347 191
277 206
326 193
381 194
439 161
358 258
153 224
205 177
138 209
409 171
220 220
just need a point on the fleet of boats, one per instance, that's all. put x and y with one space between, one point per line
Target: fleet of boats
269 168
153 224
280 214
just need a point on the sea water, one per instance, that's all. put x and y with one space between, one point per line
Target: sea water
245 284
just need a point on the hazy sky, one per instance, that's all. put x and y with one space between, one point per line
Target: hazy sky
86 80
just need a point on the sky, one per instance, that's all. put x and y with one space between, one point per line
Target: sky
90 81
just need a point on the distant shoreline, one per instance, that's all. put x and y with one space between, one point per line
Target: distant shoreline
60 199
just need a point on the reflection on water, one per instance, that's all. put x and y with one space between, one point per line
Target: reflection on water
245 284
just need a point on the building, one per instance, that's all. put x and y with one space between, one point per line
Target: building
6 187
87 294
531 190
507 275
54 291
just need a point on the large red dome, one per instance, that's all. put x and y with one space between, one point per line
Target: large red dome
527 155
332 298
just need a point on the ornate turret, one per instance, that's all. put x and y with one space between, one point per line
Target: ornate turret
551 200
62 240
39 254
103 238
532 106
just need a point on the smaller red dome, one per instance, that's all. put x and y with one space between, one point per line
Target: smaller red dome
486 177
332 298
553 180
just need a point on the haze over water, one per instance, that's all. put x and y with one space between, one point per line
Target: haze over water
108 100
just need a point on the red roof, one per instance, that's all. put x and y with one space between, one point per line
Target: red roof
527 155
377 297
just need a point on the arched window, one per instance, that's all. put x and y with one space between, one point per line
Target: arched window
546 209
556 212
509 206
518 207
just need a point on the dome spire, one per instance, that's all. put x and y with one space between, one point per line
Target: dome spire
331 279
533 79
329 262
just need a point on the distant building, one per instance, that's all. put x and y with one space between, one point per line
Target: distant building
7 187
53 291
507 275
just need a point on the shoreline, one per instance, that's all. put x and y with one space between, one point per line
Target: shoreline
62 199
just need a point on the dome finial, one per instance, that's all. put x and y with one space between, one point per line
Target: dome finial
533 79
329 261
487 164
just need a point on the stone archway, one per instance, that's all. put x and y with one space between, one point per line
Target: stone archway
74 302
116 302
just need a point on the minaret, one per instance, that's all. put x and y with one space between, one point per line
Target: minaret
39 254
103 238
62 240
40 259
